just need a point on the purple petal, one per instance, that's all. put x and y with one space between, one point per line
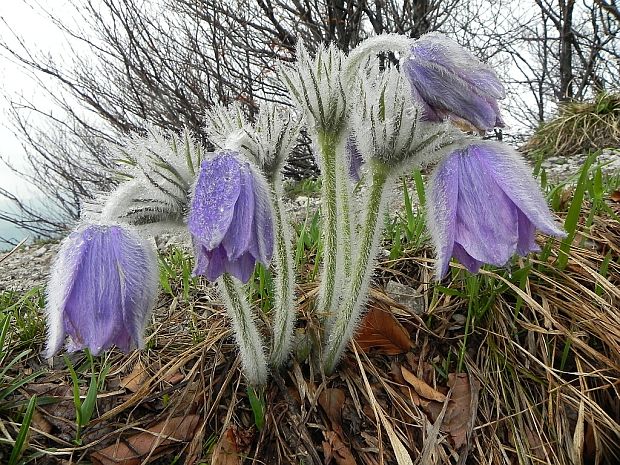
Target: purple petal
515 179
215 195
214 263
486 218
472 265
447 92
439 50
442 203
448 79
62 275
237 238
242 268
527 235
110 292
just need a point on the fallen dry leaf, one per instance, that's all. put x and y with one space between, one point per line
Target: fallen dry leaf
332 401
162 436
421 387
457 419
232 447
381 332
615 196
397 375
40 422
336 451
135 380
175 378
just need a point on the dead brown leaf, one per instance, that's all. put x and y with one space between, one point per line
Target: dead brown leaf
162 436
381 332
175 378
232 447
336 451
458 414
421 387
615 196
40 422
332 401
136 379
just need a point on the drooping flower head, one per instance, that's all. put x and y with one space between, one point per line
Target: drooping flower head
231 218
449 81
484 205
101 290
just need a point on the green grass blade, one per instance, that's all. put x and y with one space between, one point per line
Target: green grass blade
77 402
572 218
419 187
22 436
4 330
258 407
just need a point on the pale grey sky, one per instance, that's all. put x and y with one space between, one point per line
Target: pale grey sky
40 35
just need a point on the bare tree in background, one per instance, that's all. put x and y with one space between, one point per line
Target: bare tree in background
563 50
164 64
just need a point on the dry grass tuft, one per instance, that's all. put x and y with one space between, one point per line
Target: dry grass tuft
580 127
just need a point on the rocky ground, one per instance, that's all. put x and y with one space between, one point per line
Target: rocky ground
560 168
29 266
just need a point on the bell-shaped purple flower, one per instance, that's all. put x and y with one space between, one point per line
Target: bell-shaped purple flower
102 288
484 205
448 80
230 218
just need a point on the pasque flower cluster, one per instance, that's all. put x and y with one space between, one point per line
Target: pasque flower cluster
368 124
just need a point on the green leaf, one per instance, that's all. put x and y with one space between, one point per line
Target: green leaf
572 218
597 184
77 402
419 187
258 407
90 402
22 436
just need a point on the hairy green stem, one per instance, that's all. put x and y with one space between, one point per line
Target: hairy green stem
342 325
327 145
344 212
249 340
285 312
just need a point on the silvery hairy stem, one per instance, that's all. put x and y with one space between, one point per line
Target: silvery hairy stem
253 361
284 304
342 325
327 143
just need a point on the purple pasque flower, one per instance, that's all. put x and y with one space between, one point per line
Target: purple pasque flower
448 80
230 218
484 205
102 288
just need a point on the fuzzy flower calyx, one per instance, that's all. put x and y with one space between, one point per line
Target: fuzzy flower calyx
315 85
389 128
231 218
485 206
449 81
101 290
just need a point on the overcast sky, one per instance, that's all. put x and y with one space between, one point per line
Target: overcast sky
40 35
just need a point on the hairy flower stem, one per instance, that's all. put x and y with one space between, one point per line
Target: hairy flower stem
343 324
327 144
249 340
344 212
285 312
